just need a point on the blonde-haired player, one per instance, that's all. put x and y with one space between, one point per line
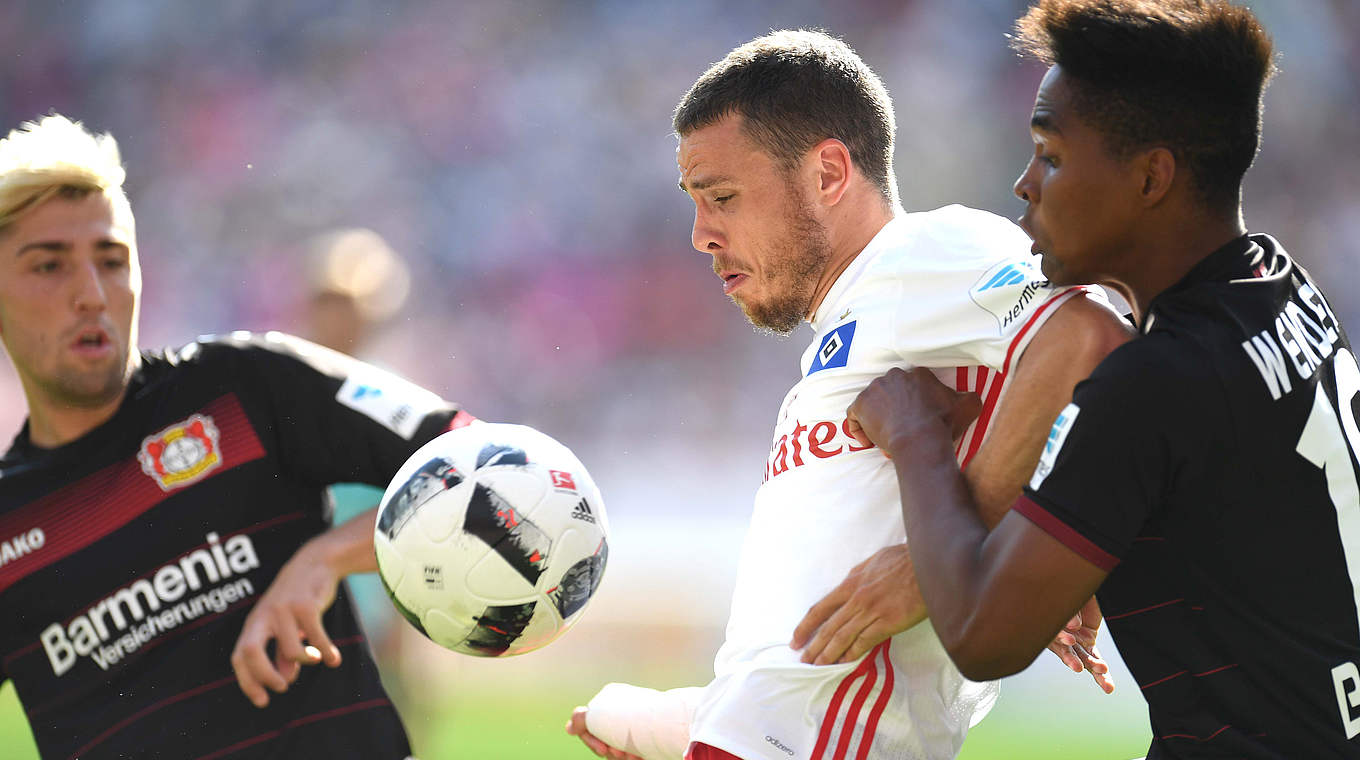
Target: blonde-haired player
165 557
55 155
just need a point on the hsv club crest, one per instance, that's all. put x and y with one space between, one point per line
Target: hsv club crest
181 454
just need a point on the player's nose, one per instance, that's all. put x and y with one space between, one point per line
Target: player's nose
706 237
88 292
1025 188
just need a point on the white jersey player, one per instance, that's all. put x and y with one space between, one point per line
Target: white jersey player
954 289
785 149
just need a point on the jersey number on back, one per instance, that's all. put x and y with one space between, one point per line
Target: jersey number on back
1329 440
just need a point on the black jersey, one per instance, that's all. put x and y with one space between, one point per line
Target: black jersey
130 556
1210 466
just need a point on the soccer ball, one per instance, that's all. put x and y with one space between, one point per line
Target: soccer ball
491 539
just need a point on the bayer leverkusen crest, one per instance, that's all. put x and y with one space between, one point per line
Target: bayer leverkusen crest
182 453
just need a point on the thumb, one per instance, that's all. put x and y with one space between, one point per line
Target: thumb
965 409
856 431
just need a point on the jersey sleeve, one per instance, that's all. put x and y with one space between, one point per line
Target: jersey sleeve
974 294
1112 455
333 418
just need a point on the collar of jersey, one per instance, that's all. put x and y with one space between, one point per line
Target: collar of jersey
22 448
1229 261
828 309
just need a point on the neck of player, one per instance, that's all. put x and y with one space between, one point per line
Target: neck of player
1167 249
850 227
55 422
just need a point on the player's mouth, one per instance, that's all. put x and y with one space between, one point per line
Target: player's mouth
732 281
92 343
1025 225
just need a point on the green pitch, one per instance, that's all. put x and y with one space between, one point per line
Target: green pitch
481 720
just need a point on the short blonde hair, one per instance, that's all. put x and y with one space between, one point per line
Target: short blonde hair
56 156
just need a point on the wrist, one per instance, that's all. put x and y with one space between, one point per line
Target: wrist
918 441
343 550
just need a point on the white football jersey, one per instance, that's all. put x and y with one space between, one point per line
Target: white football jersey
954 289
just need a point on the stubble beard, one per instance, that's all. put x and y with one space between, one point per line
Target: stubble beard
793 276
89 389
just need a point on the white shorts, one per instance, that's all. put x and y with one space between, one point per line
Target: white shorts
904 700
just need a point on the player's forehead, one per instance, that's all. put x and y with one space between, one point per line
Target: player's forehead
66 219
1052 104
716 153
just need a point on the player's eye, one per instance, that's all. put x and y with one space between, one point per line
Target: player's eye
1049 159
722 198
46 267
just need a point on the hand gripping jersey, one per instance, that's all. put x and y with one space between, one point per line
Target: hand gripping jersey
130 557
955 289
1209 465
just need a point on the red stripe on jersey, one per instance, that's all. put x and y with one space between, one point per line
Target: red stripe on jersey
983 375
1180 673
266 736
78 514
1148 608
699 751
961 385
991 395
145 711
133 718
852 715
1198 738
834 709
1164 679
879 704
1065 535
1034 318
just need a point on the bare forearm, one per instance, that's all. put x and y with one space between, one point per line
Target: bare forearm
984 614
944 531
347 548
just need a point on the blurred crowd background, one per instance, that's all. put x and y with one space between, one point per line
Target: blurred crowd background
517 159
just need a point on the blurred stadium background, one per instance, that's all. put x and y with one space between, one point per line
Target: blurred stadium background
518 155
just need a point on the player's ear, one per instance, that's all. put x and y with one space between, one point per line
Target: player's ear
1157 167
834 169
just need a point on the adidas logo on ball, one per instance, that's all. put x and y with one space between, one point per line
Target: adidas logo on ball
582 512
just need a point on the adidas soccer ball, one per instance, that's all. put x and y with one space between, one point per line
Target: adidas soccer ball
491 539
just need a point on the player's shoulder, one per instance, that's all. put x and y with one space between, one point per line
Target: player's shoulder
955 229
965 222
250 363
1161 367
953 238
243 347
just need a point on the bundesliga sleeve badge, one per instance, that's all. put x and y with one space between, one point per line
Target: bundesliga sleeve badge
181 454
1008 291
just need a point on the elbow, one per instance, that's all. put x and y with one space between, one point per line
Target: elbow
982 652
985 666
1105 333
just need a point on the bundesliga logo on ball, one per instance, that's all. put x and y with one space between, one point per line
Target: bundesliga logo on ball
491 539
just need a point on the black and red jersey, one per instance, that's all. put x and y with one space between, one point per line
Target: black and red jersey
130 557
1210 466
